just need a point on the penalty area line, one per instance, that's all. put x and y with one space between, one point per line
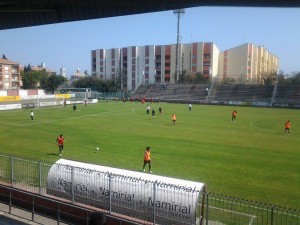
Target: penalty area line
251 216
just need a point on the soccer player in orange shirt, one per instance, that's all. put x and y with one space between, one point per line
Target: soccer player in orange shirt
233 115
287 127
147 159
60 142
173 119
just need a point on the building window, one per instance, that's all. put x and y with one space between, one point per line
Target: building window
206 56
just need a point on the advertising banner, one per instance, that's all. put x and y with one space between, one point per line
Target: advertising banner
127 191
9 98
10 106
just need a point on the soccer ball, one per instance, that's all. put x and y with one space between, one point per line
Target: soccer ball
97 148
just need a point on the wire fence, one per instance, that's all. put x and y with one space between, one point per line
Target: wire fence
221 209
212 209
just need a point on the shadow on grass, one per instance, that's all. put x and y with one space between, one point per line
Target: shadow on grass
53 154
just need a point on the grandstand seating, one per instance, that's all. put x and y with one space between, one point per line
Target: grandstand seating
242 92
297 94
287 94
142 90
185 92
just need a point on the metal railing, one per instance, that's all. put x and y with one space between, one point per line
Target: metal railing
221 210
31 175
40 209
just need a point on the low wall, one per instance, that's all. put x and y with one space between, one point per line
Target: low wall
43 102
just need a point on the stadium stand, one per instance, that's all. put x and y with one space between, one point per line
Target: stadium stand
219 93
182 92
242 92
285 94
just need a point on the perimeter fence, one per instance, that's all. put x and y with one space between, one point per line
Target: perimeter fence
31 176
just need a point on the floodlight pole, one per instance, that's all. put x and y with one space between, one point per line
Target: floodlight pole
179 13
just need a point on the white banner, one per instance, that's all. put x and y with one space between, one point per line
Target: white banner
10 106
173 199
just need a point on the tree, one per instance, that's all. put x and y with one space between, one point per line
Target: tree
269 79
192 78
96 84
181 76
296 79
31 79
282 80
27 69
88 82
200 78
51 82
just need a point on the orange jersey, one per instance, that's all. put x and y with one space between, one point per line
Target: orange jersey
288 125
234 113
147 156
174 117
60 140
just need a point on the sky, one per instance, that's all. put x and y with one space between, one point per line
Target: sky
69 44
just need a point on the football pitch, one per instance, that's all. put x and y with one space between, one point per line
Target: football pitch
251 158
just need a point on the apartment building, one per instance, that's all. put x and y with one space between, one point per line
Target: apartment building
9 75
152 64
247 63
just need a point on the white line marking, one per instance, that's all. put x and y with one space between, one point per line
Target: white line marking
235 212
126 111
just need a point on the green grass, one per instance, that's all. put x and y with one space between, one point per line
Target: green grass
251 158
